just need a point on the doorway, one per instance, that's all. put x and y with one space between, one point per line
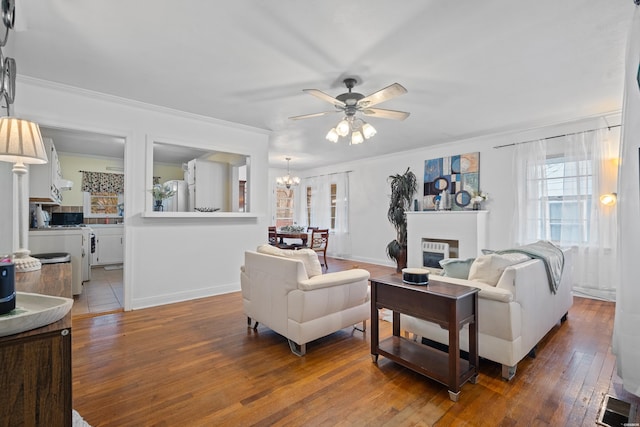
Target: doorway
82 152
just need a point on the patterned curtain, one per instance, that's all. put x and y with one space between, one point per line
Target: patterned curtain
102 182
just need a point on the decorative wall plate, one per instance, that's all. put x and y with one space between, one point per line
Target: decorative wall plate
7 11
1 72
9 79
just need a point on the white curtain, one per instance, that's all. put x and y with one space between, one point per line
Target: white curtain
529 173
561 167
341 240
320 201
626 333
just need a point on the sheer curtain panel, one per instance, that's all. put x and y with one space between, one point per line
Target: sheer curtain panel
558 188
342 239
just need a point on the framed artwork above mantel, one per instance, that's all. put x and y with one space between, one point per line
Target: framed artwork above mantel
457 176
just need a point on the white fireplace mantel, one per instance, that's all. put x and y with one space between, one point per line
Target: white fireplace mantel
468 227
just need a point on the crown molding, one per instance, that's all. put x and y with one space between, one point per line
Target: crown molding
47 84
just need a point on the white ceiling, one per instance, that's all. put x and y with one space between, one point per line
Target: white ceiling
470 67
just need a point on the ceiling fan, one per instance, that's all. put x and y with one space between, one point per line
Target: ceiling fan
352 102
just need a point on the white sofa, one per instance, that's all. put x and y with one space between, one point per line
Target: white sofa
514 315
286 291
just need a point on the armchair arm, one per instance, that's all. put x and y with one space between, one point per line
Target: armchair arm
334 279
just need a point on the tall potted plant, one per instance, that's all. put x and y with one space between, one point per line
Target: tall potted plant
403 187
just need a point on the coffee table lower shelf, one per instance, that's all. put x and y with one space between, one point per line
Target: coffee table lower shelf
425 360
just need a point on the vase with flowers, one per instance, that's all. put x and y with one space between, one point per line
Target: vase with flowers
161 192
477 199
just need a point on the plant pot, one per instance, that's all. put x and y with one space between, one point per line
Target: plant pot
158 206
401 261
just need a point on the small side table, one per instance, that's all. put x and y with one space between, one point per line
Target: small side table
450 306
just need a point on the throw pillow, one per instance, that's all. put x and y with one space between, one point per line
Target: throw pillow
270 250
456 267
308 257
488 268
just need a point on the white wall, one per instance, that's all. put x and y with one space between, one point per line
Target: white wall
166 260
369 189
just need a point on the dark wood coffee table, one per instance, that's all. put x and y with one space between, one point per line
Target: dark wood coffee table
450 306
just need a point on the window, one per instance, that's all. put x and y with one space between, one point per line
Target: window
284 207
103 205
565 205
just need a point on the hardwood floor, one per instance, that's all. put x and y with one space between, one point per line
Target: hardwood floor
196 364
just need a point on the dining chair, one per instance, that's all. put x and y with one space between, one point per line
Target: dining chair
274 239
319 243
273 236
312 228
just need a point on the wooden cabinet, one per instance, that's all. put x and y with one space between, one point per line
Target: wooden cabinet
109 245
35 368
44 179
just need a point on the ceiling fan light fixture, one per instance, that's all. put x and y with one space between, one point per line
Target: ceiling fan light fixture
343 128
333 135
357 138
354 103
368 131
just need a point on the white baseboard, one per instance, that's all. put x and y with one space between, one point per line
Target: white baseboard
156 300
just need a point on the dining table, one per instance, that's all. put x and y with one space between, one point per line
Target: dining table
302 235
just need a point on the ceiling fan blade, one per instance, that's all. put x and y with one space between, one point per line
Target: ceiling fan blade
386 114
325 97
382 95
308 116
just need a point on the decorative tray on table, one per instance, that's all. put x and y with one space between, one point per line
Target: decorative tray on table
33 311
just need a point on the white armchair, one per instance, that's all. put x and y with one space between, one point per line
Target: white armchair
286 291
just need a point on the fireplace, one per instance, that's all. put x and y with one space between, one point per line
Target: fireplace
464 232
435 250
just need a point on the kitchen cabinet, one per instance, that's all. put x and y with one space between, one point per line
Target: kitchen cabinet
109 244
44 180
35 373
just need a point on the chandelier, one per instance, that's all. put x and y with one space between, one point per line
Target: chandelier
288 181
352 126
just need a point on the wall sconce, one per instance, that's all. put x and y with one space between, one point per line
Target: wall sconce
609 199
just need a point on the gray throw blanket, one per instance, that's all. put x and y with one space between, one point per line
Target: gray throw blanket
551 255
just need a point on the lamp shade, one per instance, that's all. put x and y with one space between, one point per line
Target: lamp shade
368 130
609 199
333 135
343 128
21 142
356 138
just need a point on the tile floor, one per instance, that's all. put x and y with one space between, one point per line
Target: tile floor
102 294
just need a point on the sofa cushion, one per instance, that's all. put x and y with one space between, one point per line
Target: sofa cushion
489 268
308 257
456 267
